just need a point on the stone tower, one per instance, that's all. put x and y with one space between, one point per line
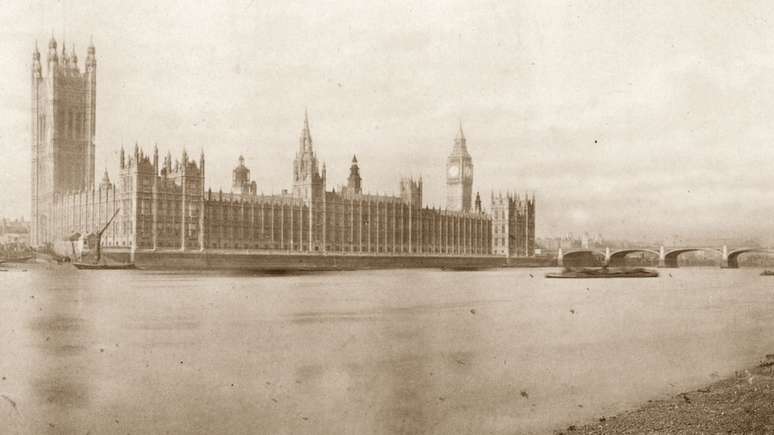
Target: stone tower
354 181
308 182
240 180
459 176
411 191
63 126
513 225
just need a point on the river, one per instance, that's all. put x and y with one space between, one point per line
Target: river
383 352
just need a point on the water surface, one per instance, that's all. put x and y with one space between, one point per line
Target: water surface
385 352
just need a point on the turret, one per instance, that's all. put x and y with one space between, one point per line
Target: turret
53 58
155 159
478 203
411 191
65 58
91 59
201 163
36 68
354 181
184 161
74 60
105 180
122 158
240 175
168 162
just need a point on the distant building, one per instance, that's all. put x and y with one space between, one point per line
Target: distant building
16 231
164 205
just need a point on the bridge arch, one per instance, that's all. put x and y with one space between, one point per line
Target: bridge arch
670 257
582 257
619 255
733 256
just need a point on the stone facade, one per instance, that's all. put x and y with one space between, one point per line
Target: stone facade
312 219
164 206
513 225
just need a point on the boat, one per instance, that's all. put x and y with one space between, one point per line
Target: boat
463 268
96 265
605 272
767 273
104 266
16 259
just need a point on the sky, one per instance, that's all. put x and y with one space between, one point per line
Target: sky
636 120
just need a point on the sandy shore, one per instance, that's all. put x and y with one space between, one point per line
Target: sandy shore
742 404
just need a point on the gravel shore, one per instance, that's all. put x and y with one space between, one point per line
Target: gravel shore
742 404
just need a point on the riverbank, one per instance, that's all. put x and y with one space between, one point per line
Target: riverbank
743 403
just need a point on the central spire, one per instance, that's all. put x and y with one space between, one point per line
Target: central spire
305 142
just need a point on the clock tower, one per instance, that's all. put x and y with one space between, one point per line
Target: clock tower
459 176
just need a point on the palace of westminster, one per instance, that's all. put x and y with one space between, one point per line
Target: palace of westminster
163 205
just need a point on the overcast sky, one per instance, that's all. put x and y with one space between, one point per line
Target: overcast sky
645 119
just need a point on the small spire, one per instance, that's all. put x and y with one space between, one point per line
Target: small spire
306 118
36 56
354 158
90 49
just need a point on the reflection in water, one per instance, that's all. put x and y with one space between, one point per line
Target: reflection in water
382 352
59 368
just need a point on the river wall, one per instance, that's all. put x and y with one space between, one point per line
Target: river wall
246 260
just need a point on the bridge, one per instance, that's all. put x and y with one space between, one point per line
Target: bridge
667 257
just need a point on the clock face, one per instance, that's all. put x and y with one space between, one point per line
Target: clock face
454 170
468 171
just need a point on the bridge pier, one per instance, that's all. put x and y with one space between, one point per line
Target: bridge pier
728 262
661 257
559 258
607 257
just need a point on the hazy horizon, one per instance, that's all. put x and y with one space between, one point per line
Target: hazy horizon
637 121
